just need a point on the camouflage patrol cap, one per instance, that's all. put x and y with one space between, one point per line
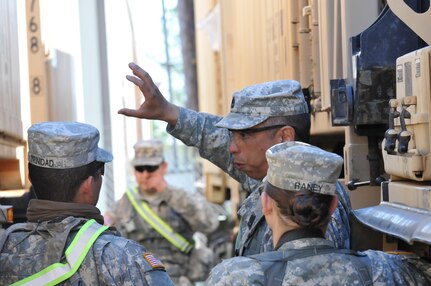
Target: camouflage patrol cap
254 104
148 152
296 166
64 145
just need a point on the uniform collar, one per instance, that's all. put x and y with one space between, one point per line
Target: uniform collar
298 234
44 210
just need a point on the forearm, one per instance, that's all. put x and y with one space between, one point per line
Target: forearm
171 114
198 129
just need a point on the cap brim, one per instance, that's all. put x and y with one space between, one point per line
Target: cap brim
239 121
147 162
103 155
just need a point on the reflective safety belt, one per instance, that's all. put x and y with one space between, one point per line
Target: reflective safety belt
75 254
159 224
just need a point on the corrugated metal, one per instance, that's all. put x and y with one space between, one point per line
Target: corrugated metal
10 105
11 133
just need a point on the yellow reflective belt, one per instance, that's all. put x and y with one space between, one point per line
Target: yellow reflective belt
159 224
75 254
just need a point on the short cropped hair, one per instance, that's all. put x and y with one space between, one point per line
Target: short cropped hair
60 185
300 123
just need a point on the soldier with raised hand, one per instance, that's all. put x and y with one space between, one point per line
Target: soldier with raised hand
64 241
261 116
299 196
164 218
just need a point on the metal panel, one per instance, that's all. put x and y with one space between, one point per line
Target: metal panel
409 156
406 223
417 195
11 133
10 108
36 65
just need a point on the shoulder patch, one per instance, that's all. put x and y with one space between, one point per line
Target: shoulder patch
153 261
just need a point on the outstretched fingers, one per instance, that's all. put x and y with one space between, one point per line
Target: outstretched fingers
143 80
154 106
130 112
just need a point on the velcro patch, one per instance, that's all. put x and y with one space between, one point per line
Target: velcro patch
153 261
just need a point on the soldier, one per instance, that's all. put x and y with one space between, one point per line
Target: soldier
261 116
297 201
64 241
164 218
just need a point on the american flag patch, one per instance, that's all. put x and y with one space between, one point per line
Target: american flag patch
154 262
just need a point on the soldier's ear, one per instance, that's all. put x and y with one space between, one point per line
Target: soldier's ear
86 185
164 166
334 204
83 190
287 133
266 203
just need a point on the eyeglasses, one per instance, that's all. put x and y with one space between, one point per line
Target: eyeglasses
260 129
148 168
102 170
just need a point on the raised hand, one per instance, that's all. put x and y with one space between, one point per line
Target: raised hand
155 105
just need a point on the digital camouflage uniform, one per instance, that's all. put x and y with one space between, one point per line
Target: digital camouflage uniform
28 248
186 213
325 269
200 130
112 260
295 166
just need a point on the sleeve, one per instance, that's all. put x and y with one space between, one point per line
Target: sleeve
198 129
338 229
419 268
195 209
238 271
396 269
125 262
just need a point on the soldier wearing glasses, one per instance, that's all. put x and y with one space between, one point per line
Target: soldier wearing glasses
261 116
164 218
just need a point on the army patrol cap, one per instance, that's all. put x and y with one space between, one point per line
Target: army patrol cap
296 166
148 152
64 145
255 104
